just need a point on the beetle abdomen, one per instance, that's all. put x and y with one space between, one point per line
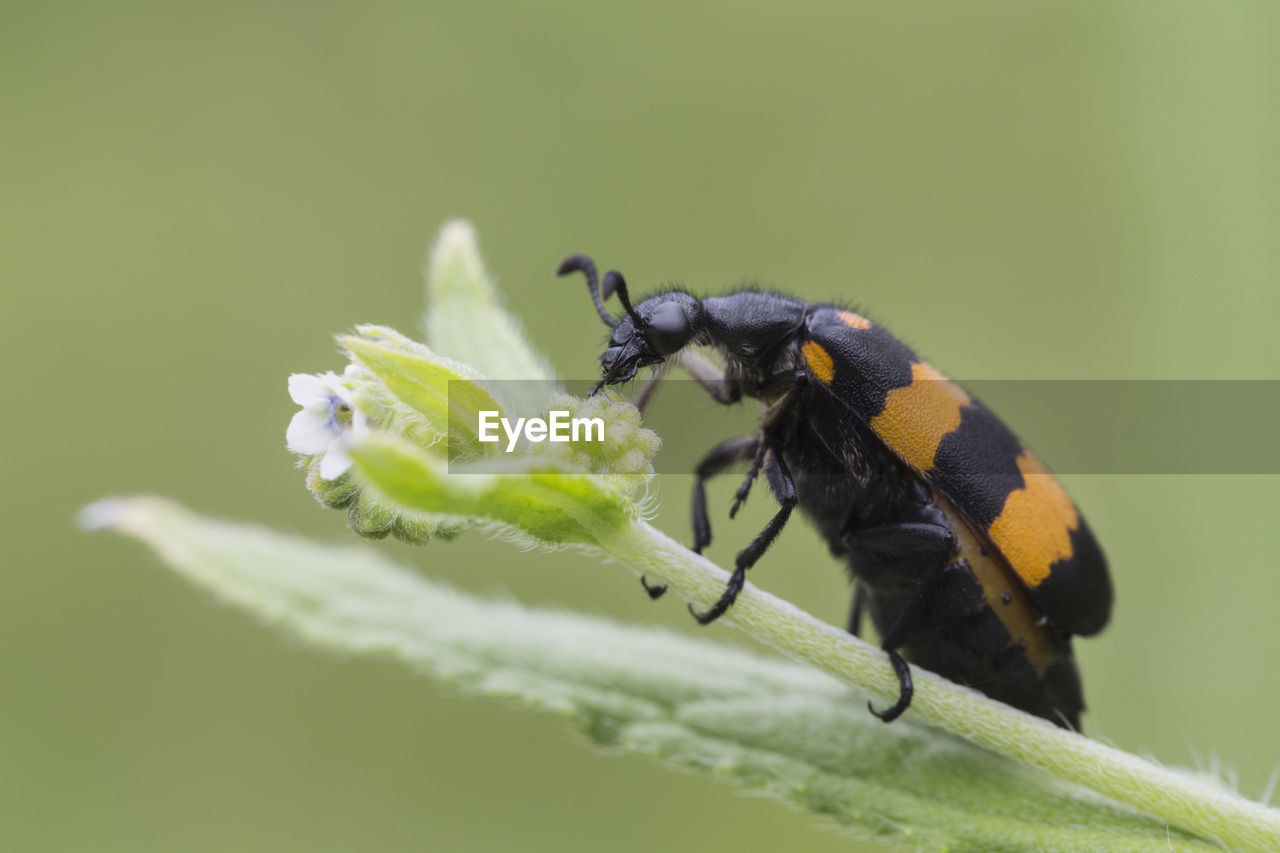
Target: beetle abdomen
1008 498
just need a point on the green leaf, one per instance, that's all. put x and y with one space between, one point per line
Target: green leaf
465 320
530 497
777 727
448 395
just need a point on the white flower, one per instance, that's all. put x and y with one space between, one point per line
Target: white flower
327 418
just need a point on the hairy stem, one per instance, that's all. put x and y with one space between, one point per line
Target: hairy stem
1174 796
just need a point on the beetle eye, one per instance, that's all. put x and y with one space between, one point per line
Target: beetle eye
668 329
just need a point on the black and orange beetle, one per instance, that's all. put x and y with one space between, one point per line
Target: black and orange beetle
971 558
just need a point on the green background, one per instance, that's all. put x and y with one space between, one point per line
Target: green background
195 197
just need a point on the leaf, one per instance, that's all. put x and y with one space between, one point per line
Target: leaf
777 727
530 497
466 321
447 394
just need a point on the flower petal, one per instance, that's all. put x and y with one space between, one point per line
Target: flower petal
309 433
305 388
359 423
336 462
334 387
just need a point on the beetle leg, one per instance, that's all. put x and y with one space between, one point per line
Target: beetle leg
722 389
740 496
655 590
905 690
792 381
919 551
718 459
859 604
648 388
897 635
784 489
899 554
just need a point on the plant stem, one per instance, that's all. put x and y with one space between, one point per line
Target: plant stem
1171 795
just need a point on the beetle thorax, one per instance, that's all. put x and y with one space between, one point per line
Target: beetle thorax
754 331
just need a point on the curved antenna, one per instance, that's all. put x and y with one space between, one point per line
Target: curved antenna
586 266
614 282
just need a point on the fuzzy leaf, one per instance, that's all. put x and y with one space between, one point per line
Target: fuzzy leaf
466 321
447 394
777 727
546 505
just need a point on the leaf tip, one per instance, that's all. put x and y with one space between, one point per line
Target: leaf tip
456 244
456 234
100 515
125 514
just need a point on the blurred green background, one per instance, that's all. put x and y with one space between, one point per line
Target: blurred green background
196 196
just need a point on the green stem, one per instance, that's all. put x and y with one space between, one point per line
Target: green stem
1174 796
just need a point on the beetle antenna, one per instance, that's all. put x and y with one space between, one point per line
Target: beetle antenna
613 281
586 266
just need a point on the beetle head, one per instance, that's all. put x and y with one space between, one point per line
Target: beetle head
647 333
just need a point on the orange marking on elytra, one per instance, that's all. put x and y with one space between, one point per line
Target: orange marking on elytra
917 417
1005 596
856 321
1033 530
819 361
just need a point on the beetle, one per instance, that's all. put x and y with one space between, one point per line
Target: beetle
968 554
